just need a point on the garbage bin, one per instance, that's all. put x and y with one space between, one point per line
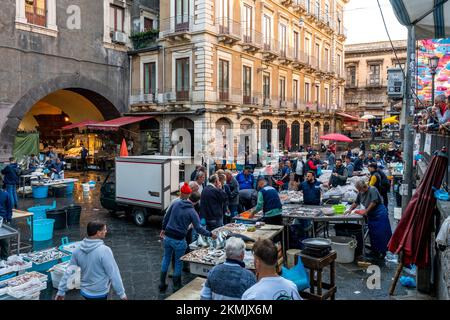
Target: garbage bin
60 217
59 191
73 215
352 230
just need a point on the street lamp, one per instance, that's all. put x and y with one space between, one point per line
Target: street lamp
433 63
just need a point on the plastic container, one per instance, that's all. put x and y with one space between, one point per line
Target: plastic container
43 229
344 247
352 230
59 191
57 272
69 188
86 187
40 192
68 247
60 217
339 208
73 215
39 212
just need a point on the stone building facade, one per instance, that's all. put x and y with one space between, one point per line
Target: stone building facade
73 49
366 66
227 67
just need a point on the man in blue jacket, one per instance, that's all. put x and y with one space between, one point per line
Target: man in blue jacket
11 180
269 202
6 214
245 179
311 190
174 230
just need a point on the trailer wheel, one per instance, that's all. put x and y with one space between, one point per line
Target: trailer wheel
139 216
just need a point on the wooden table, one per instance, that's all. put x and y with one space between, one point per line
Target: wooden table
20 214
191 291
316 266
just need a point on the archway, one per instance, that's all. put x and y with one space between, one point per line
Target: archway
266 135
224 139
282 128
307 133
187 124
150 138
101 102
316 132
245 139
326 128
295 135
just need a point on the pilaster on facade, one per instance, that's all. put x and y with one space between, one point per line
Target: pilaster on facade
203 70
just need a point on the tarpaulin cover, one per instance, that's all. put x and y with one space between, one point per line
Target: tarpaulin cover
115 124
413 233
78 125
25 144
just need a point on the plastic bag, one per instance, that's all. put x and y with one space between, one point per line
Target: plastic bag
297 274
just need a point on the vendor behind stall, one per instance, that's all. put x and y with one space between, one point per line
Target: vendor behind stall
378 220
339 175
57 169
311 190
6 214
270 203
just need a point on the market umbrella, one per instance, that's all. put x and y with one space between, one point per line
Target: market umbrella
336 137
287 140
124 149
368 117
413 234
390 120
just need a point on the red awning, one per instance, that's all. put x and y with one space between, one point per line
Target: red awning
115 124
350 118
78 124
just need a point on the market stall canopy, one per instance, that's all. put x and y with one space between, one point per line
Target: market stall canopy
336 137
81 124
115 124
390 120
350 118
430 17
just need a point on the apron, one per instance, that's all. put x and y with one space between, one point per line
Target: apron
379 229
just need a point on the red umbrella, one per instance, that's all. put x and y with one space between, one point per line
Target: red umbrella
413 234
336 137
287 140
123 149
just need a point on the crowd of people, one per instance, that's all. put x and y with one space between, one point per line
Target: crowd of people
435 118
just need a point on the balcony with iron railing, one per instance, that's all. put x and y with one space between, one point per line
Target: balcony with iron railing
177 27
374 82
229 31
36 16
286 3
300 59
299 6
270 49
351 84
252 40
286 53
143 96
341 33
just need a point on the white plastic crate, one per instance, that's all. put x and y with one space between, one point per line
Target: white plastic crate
73 281
200 269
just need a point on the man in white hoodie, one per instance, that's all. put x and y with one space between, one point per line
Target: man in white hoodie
98 268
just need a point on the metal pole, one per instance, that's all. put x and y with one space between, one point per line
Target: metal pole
407 117
433 73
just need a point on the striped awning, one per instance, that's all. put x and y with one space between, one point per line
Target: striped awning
430 17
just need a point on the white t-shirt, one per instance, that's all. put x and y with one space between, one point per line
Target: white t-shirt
272 288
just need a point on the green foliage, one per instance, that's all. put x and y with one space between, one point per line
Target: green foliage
144 39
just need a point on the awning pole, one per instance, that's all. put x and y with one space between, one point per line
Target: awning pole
407 119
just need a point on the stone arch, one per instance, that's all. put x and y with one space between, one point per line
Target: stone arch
326 128
316 132
307 133
182 123
282 129
104 98
266 142
295 135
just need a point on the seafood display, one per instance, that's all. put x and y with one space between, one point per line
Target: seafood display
205 256
14 264
233 228
301 212
44 256
291 196
208 242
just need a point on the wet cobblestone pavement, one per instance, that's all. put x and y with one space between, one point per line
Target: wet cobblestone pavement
138 251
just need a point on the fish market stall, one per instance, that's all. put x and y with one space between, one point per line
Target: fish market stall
45 259
26 286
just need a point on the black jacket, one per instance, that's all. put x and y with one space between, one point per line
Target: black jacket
212 202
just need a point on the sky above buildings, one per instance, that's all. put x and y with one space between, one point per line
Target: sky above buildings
363 21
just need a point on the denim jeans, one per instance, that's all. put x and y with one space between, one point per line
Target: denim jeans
11 189
176 247
233 209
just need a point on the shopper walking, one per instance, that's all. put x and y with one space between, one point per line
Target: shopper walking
99 269
6 215
213 199
11 175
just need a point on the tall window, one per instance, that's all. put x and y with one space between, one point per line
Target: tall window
295 92
317 94
374 74
338 64
182 78
296 44
351 76
317 8
224 13
148 24
150 78
327 12
181 15
307 49
117 18
338 97
308 6
247 84
327 97
266 86
317 54
307 92
248 23
267 31
36 13
326 57
224 80
282 89
283 39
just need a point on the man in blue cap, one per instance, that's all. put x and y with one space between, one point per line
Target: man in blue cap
270 203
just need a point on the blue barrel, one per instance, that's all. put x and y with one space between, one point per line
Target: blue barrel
39 212
69 187
43 229
40 192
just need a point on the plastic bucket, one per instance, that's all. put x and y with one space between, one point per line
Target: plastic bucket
39 212
73 215
86 187
59 191
60 218
43 229
69 187
352 230
40 192
344 247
